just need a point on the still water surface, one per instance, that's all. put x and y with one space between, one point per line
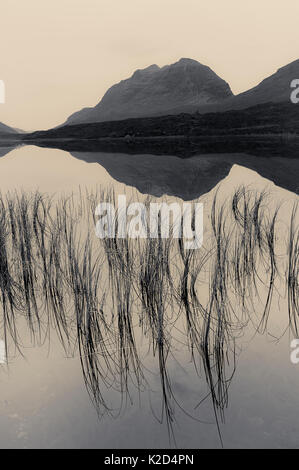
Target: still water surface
44 401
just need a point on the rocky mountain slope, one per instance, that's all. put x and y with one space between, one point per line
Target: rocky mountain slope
274 89
156 91
4 130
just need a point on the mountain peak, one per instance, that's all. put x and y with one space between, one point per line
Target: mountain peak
155 91
147 70
186 61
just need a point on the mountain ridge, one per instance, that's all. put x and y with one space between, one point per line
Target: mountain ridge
156 91
275 88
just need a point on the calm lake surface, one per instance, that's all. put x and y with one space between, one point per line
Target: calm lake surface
44 400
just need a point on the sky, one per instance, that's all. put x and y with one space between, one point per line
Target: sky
58 56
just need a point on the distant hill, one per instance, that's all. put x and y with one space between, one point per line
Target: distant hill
156 91
5 130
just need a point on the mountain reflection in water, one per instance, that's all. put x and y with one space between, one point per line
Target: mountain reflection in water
185 168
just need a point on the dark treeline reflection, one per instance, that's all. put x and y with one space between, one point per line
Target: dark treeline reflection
186 168
183 147
107 297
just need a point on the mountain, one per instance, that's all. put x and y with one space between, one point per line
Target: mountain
274 89
184 87
4 130
156 91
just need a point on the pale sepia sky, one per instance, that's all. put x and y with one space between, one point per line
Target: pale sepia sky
57 56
